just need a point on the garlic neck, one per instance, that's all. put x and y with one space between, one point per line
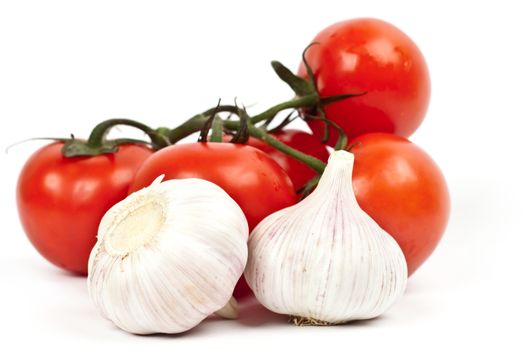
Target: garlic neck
337 178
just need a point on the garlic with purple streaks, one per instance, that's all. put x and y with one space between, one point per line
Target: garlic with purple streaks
324 260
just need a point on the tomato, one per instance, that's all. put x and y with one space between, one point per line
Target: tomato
372 56
61 200
403 190
253 179
302 141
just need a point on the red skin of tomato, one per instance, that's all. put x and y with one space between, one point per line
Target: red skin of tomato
253 179
302 141
372 56
62 200
403 190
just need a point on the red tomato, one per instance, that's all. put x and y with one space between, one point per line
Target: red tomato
302 141
61 200
253 179
403 190
372 56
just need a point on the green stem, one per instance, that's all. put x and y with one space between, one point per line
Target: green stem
312 162
216 130
304 101
187 128
196 123
98 135
97 143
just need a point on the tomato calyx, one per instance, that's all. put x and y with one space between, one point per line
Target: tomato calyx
216 125
290 117
217 130
241 131
342 139
301 86
318 112
213 123
97 143
306 89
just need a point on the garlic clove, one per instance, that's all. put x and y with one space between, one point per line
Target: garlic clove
230 310
168 256
324 260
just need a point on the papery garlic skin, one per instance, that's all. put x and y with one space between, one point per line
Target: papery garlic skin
168 256
324 259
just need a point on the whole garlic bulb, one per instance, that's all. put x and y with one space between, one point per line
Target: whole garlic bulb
168 256
324 260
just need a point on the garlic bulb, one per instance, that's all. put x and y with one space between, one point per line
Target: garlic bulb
324 260
168 256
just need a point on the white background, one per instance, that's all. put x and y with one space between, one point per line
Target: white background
65 65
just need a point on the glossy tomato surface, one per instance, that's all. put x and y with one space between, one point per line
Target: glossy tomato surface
302 141
372 56
403 190
62 200
253 179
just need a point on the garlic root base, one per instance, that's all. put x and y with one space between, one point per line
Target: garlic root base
308 321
